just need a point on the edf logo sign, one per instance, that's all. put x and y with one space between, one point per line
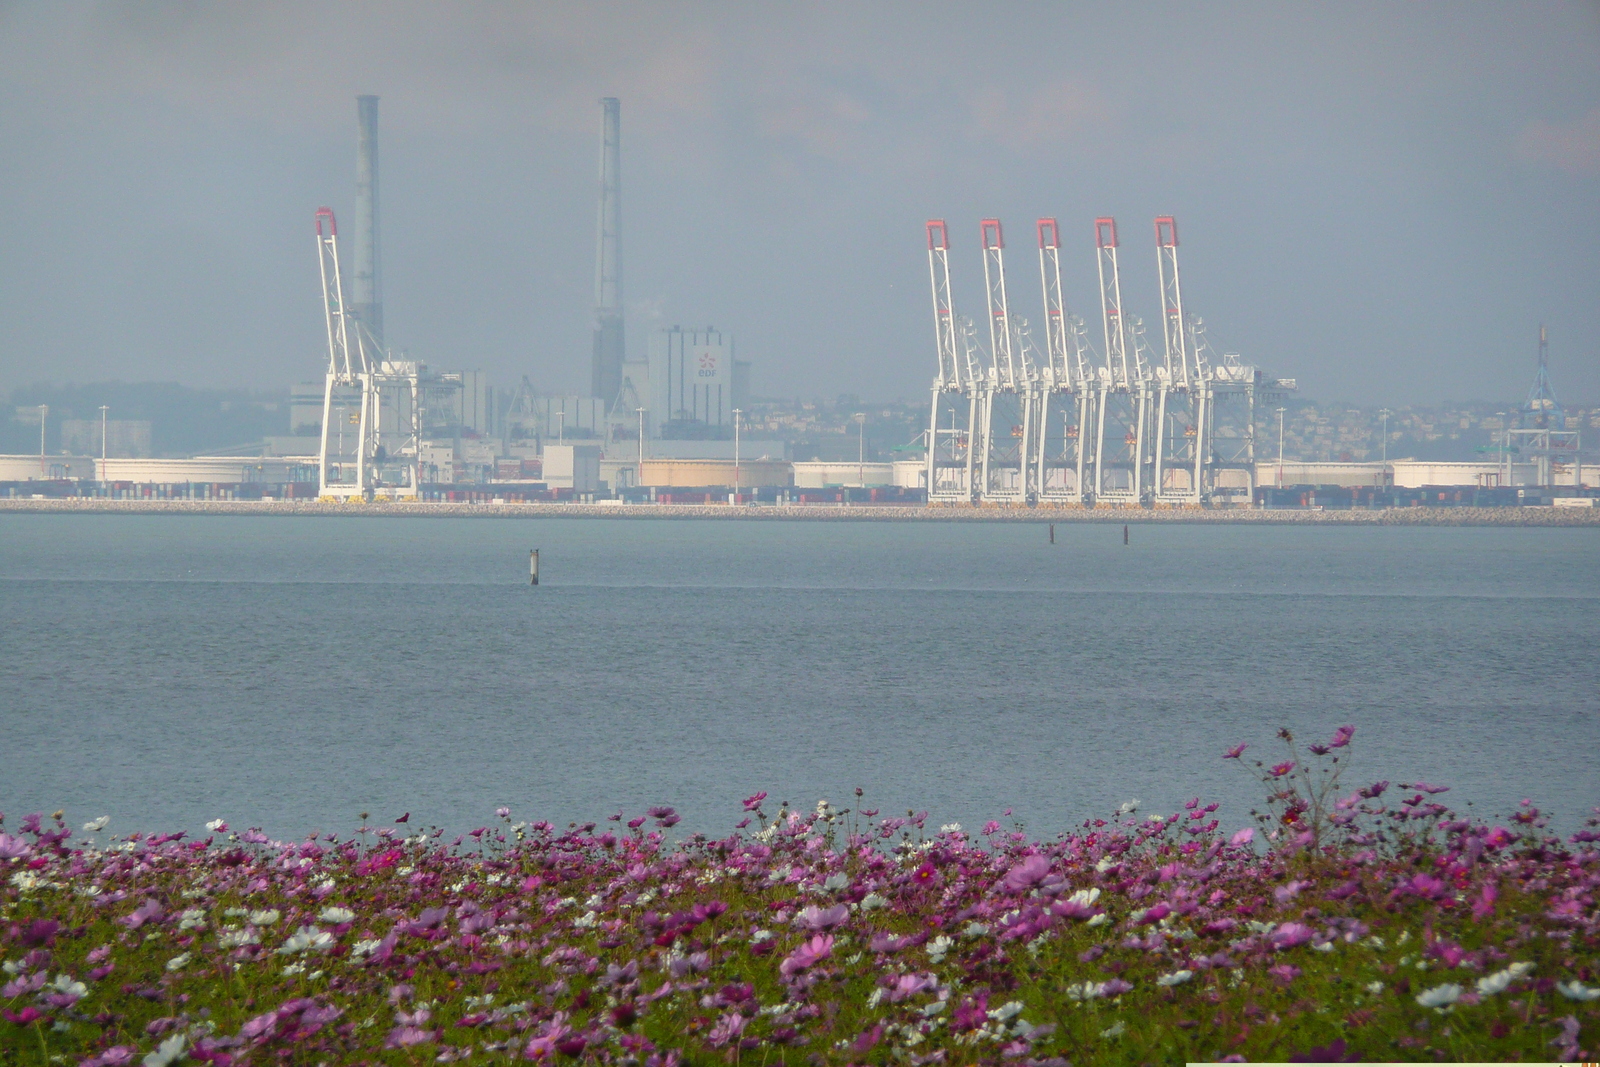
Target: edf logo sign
708 364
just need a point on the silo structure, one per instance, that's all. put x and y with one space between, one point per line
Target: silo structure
608 337
368 302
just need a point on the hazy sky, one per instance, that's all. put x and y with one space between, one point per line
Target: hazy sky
1382 201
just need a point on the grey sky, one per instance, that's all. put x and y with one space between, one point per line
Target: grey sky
1381 200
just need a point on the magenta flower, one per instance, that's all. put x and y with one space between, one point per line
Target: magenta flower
751 803
1235 752
13 848
1426 787
808 955
1342 736
1284 973
1282 769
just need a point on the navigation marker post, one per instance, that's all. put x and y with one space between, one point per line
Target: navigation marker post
533 566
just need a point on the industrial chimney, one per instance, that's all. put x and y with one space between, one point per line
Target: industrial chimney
368 303
608 346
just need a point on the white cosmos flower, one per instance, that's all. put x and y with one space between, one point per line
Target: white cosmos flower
1085 897
1576 990
179 962
170 1051
1439 996
1497 982
335 915
64 984
217 824
1129 807
365 948
1116 1029
239 938
192 919
306 939
265 918
939 947
1175 978
1374 987
96 825
873 901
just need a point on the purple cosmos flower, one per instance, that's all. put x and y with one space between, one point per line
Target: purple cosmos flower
751 803
1235 752
13 848
1282 769
1342 736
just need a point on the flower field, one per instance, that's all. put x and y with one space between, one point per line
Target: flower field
1373 924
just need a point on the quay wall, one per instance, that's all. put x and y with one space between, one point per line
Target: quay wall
1410 516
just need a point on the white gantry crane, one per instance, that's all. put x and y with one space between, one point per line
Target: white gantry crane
367 444
1183 392
348 384
957 390
1066 383
1123 403
1009 400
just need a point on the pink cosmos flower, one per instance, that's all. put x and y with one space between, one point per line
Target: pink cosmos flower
1235 752
1282 769
808 955
752 802
1290 935
814 918
1243 837
1342 736
1030 872
1284 973
727 1029
13 848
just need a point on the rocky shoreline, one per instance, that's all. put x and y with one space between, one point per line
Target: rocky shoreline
1415 516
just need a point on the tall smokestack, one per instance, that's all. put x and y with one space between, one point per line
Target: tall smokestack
608 347
368 303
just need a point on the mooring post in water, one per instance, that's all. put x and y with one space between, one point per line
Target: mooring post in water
1052 533
533 566
1124 541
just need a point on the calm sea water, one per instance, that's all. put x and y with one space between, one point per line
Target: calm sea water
291 673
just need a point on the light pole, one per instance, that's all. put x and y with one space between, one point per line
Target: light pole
861 450
1385 412
640 479
1280 447
736 414
561 427
44 410
103 409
